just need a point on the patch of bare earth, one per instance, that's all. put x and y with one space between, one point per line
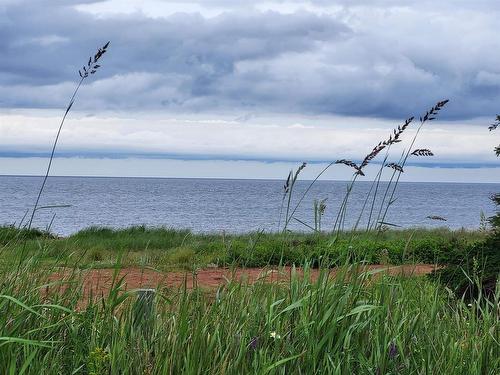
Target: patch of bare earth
97 282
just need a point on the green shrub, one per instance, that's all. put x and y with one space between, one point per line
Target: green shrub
12 234
180 256
474 271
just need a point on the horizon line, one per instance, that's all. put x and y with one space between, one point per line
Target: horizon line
233 158
236 179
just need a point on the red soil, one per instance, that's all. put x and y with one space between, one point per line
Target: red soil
97 282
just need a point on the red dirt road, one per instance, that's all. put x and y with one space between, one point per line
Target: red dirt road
97 282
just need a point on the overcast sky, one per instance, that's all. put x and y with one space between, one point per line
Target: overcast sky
229 88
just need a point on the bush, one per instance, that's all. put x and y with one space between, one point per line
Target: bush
11 233
476 271
182 256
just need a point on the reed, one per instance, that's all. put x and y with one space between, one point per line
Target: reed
495 124
89 69
288 193
375 182
387 197
395 137
422 152
319 211
430 115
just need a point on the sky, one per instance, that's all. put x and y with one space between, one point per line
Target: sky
248 89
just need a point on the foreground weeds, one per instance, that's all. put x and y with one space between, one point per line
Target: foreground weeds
354 323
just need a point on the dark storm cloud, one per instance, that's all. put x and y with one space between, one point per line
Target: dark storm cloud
368 61
163 61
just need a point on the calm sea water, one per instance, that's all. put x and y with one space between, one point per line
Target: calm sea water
214 205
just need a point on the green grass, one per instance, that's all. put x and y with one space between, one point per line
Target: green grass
355 323
350 324
162 247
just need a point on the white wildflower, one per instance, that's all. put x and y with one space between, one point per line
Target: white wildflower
274 335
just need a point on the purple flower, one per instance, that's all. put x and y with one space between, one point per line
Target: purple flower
393 350
254 343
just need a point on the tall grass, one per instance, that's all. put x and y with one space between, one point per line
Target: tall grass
387 198
398 167
91 68
353 322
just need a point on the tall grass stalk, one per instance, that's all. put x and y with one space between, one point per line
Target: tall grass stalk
379 219
386 144
90 69
429 116
288 194
304 194
340 218
376 181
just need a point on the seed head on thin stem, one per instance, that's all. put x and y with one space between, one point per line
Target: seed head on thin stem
422 152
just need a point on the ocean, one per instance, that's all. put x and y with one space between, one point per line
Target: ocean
232 206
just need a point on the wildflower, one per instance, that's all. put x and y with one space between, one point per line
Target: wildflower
274 335
254 343
393 350
100 354
98 361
